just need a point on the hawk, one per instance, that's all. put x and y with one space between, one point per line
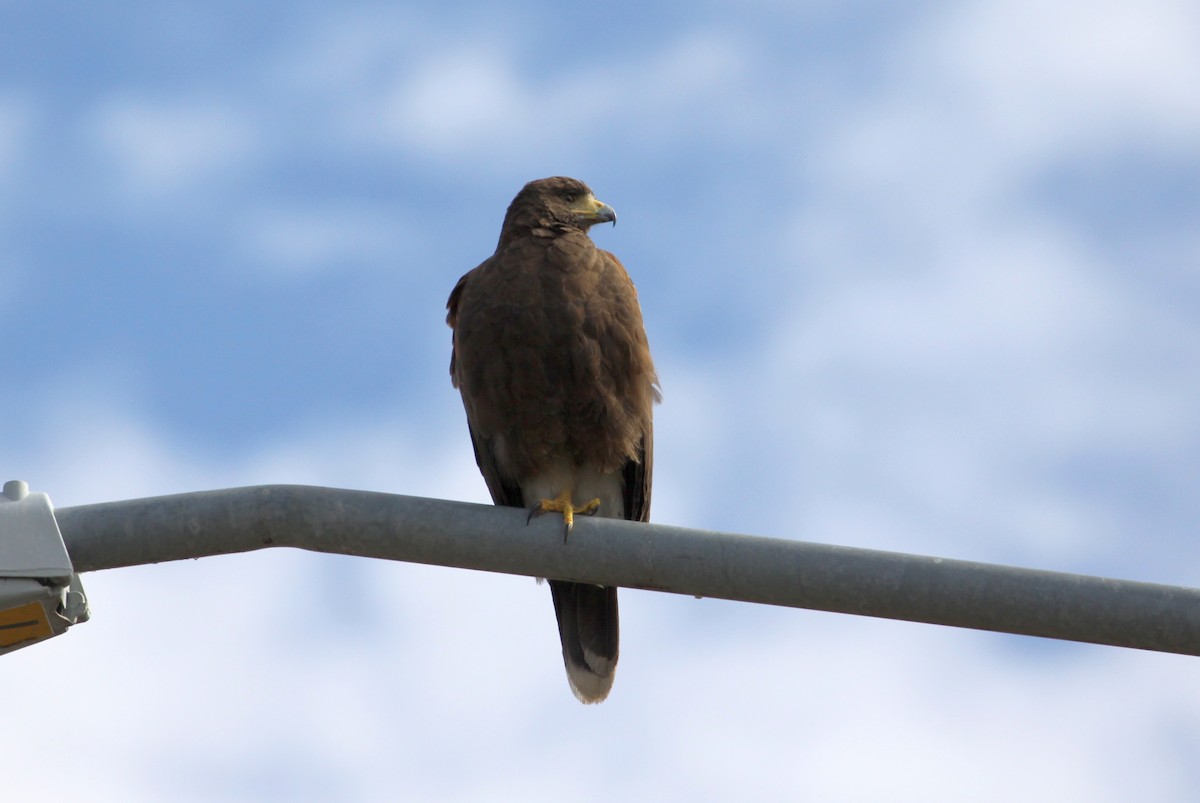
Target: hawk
551 357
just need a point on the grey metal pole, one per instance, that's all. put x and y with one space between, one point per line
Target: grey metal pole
631 554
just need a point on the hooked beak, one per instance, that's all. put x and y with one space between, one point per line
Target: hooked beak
591 212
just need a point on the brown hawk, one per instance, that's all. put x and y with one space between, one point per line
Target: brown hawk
551 358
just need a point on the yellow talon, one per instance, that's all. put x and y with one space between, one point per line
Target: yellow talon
563 504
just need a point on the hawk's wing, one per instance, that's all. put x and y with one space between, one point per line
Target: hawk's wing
636 476
503 492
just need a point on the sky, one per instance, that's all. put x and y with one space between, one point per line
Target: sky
918 277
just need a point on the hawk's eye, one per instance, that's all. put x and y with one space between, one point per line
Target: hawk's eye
569 197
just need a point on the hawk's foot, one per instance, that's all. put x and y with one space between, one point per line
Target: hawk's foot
563 504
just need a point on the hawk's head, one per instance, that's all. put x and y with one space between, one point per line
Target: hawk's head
554 203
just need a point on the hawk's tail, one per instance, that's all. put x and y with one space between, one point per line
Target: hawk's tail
587 627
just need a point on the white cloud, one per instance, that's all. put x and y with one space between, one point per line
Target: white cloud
953 346
161 147
17 119
458 99
1074 75
990 96
308 239
944 399
16 123
472 102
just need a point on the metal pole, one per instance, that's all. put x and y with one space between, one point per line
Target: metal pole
651 556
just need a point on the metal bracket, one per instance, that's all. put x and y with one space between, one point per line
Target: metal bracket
40 593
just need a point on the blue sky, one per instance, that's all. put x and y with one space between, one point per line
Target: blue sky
917 278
